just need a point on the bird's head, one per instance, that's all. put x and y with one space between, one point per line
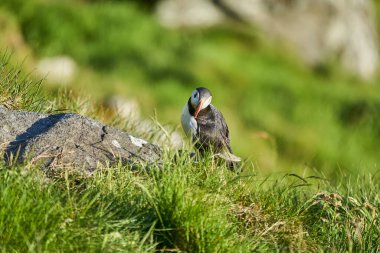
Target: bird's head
200 99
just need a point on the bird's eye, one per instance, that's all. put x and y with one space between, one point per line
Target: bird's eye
195 94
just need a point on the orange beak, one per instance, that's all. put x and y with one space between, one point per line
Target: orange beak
198 109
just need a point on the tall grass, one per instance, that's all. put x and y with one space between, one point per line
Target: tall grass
192 207
41 216
18 90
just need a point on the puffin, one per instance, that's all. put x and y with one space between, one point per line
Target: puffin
206 126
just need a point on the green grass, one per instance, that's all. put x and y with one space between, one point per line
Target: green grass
41 216
184 207
180 206
315 132
18 90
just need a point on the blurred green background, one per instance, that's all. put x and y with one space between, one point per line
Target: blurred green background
283 114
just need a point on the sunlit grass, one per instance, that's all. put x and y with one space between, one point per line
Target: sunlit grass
180 205
192 207
321 128
18 90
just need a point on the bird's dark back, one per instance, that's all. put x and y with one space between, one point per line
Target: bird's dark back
212 132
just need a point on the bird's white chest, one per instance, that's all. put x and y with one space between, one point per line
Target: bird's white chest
189 124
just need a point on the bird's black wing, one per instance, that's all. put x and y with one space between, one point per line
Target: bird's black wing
212 130
223 128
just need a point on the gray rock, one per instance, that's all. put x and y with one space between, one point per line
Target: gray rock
69 140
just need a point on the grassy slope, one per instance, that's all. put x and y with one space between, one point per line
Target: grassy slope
190 208
202 207
181 206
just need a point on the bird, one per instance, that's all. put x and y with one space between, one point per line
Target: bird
206 126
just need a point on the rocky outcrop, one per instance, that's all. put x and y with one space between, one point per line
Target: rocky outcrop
69 140
316 29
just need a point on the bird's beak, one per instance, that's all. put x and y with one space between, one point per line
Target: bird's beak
198 109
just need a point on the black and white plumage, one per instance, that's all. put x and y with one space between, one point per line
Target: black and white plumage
205 124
